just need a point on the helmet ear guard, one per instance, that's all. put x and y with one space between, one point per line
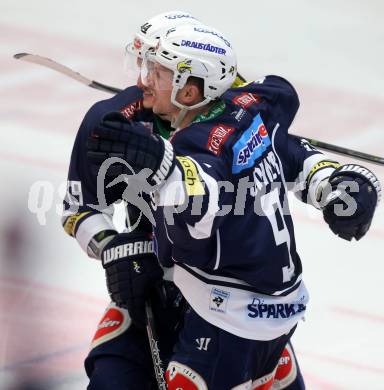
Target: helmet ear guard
181 77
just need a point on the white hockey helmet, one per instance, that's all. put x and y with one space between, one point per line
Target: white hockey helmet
147 37
150 32
199 51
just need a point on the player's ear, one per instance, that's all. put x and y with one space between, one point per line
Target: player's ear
189 95
193 92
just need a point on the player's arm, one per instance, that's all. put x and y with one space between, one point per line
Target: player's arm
306 169
88 207
188 182
131 267
347 194
88 203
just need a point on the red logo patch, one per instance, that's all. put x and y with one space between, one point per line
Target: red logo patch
246 99
130 110
111 320
180 381
262 130
285 365
217 137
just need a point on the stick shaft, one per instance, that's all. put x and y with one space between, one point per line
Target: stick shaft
153 344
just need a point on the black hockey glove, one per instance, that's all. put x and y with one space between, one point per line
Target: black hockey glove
132 271
351 203
117 136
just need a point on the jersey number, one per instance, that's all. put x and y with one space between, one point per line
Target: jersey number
271 206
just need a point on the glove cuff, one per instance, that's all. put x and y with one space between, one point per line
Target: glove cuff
99 241
166 166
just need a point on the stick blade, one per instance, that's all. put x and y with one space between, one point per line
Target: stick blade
60 68
51 64
20 55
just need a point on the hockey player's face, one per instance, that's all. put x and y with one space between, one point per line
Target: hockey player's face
147 93
160 83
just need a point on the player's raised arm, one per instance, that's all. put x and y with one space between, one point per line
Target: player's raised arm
347 194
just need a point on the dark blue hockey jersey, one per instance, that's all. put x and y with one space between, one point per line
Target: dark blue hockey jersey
234 242
231 235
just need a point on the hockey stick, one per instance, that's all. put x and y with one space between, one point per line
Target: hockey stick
153 344
133 213
36 59
343 151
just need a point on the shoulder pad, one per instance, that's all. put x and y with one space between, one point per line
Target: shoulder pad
272 96
269 88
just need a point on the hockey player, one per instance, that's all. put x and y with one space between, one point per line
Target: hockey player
95 225
219 199
120 356
110 350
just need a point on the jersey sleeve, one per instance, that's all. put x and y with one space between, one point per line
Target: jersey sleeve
259 96
305 169
87 209
88 204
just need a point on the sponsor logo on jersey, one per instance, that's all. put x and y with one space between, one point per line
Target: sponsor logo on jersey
179 376
246 99
286 369
111 320
258 309
240 114
252 144
130 110
217 137
71 222
125 250
114 322
219 300
203 46
202 343
192 181
108 323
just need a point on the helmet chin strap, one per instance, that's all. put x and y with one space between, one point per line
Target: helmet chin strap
176 122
